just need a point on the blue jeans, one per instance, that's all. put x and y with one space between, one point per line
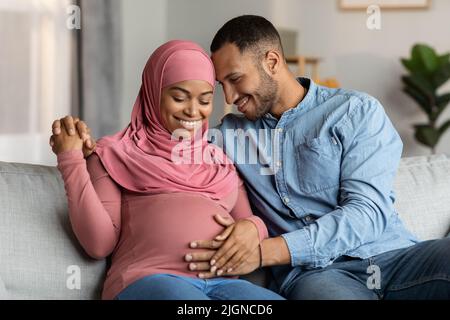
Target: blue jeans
174 287
421 271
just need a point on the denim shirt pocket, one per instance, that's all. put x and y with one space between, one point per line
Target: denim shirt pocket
318 164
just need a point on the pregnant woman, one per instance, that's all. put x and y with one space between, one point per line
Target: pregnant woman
132 201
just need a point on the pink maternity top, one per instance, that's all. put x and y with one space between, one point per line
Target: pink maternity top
146 234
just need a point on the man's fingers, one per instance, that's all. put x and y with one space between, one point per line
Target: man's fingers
56 127
91 144
199 266
88 143
51 142
85 134
234 262
82 130
224 235
224 249
221 260
88 147
204 256
69 125
207 275
206 244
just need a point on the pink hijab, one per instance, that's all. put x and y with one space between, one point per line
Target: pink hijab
138 158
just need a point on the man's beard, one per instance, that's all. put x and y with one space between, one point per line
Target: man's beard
266 94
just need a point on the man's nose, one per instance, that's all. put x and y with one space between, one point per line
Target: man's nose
230 94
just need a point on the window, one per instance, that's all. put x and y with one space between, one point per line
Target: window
35 73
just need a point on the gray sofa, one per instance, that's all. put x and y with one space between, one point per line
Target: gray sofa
41 259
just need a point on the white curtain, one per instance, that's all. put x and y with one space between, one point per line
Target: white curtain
35 76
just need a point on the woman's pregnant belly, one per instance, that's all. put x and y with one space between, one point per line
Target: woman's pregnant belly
158 229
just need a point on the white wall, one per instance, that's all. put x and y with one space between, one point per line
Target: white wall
370 60
199 20
359 58
148 24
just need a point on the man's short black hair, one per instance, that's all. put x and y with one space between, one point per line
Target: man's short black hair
248 32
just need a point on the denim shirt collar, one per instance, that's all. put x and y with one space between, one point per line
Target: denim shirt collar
306 104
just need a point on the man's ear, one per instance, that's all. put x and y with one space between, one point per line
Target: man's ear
273 61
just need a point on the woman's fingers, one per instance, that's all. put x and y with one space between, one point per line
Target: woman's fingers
225 234
56 127
224 221
68 123
218 240
85 134
63 141
82 130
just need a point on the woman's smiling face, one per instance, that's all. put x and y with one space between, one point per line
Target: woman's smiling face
186 105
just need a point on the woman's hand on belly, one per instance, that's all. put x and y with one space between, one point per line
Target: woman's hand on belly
202 263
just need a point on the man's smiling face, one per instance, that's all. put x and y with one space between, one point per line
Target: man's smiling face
245 82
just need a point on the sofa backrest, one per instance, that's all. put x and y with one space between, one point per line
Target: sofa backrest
422 187
40 257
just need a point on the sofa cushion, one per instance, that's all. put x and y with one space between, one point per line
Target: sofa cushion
422 188
37 246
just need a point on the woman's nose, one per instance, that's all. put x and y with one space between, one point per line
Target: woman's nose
192 110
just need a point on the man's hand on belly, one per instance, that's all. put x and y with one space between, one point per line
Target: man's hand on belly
199 261
238 251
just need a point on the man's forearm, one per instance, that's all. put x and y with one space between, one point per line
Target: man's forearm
275 252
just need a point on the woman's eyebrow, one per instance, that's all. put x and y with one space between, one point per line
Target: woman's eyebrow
180 89
188 93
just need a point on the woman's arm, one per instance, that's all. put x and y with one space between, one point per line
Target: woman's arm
94 199
94 202
242 210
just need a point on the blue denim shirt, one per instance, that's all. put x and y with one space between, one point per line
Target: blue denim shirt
322 175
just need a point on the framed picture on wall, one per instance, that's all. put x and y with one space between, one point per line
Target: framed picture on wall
383 4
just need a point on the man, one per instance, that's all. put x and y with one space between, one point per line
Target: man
328 202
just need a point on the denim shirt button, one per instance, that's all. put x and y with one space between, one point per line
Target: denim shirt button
308 218
286 200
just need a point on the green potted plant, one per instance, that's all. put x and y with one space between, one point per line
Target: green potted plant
428 71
